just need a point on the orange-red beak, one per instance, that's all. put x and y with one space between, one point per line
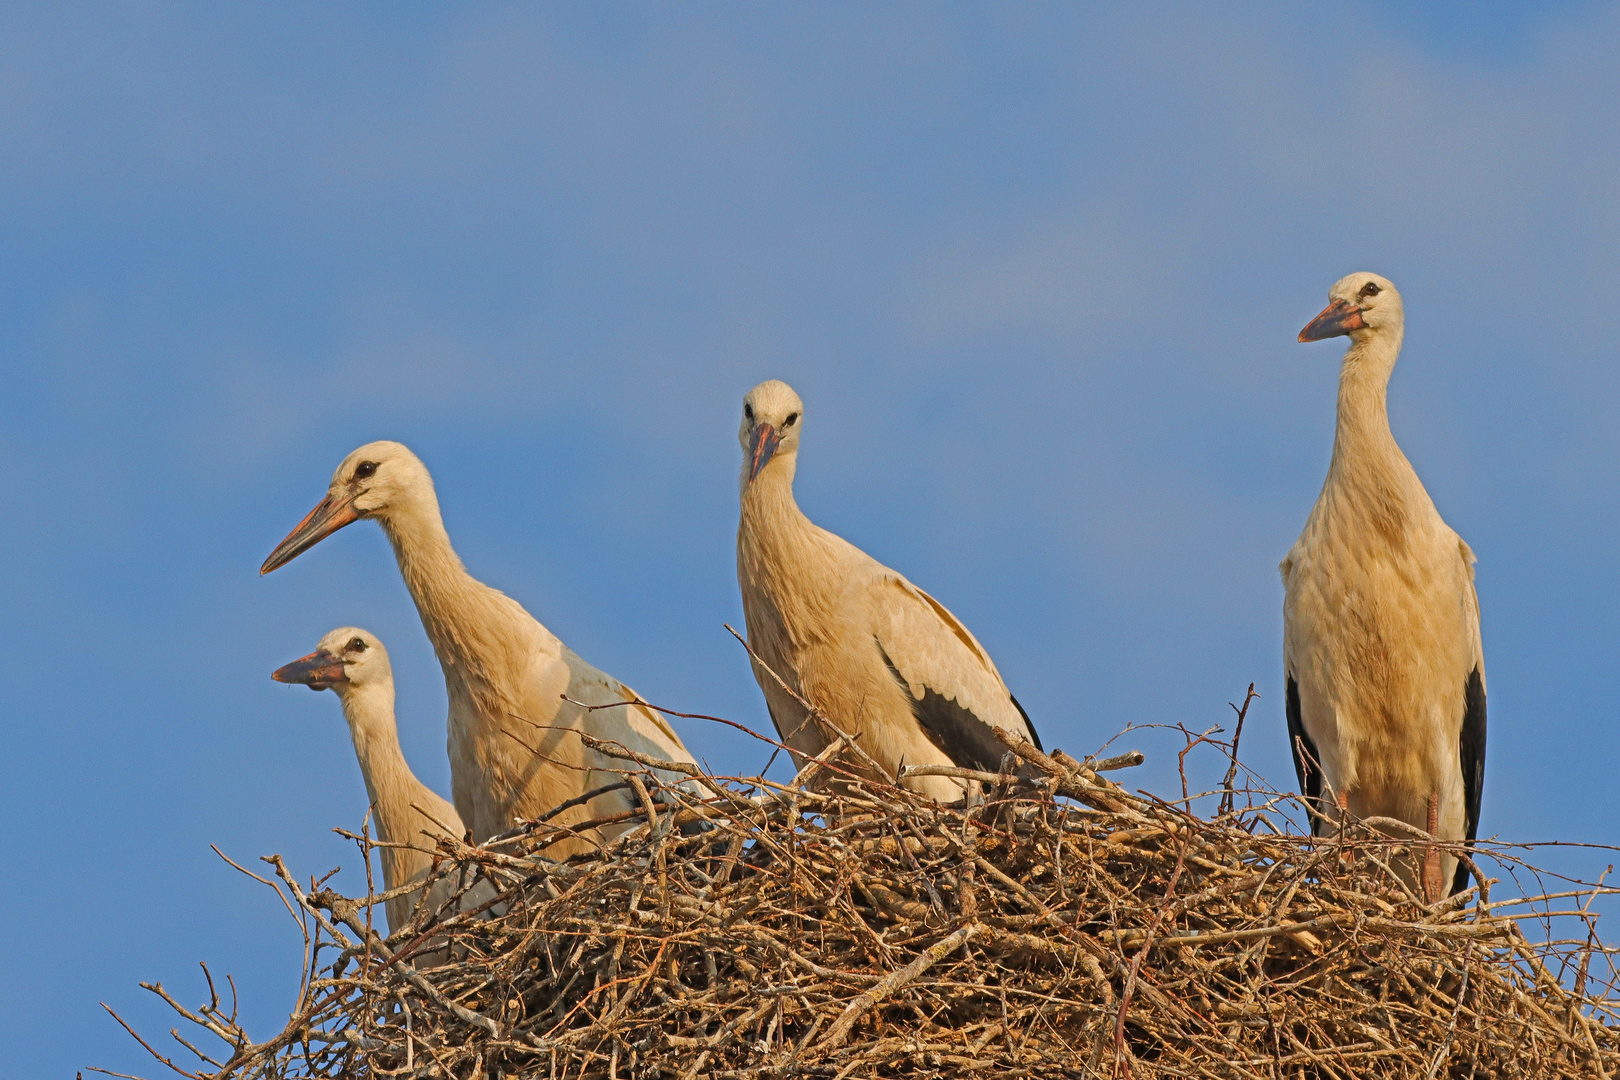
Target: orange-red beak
318 671
328 517
760 449
1339 317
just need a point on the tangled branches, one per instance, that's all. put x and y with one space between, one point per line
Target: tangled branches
1069 929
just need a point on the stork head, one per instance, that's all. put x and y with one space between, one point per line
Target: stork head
772 417
373 481
346 659
1361 305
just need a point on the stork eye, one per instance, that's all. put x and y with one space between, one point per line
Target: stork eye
365 470
1370 289
357 645
748 411
792 418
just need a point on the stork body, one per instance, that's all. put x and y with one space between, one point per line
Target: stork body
1381 641
871 651
405 811
515 751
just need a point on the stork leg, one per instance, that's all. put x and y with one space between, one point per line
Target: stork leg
1347 854
1433 887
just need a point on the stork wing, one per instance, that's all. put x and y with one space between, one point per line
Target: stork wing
1471 744
1307 766
956 692
637 727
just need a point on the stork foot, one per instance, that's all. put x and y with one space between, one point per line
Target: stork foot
1433 884
1347 854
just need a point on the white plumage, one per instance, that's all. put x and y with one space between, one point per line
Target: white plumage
874 653
514 748
1381 644
406 811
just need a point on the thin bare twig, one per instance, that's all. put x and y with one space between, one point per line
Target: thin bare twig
1228 796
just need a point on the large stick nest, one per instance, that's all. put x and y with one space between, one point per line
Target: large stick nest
1061 928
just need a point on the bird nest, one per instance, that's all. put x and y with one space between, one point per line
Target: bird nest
844 927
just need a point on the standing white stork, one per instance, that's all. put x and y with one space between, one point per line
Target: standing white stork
1381 643
514 748
355 664
867 648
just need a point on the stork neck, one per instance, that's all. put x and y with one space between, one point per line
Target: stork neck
768 503
1362 436
429 564
789 568
469 623
390 784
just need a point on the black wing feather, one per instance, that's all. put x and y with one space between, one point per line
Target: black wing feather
1034 736
1471 757
1307 765
959 734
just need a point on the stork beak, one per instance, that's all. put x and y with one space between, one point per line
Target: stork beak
1339 317
318 671
328 517
761 448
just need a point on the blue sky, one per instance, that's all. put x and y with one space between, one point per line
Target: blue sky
1037 274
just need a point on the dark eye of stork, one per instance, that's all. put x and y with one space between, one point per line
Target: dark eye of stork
792 418
357 645
748 411
1370 289
365 470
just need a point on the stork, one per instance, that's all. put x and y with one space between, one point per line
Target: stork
876 655
1381 643
515 751
409 814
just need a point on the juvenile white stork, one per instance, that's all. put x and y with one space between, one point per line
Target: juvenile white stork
1381 645
514 748
355 665
874 653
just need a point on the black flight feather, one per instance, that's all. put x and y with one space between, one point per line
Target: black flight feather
960 735
1033 736
1471 757
1307 766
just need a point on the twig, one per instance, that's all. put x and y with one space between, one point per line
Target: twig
1120 1057
1228 796
861 1005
